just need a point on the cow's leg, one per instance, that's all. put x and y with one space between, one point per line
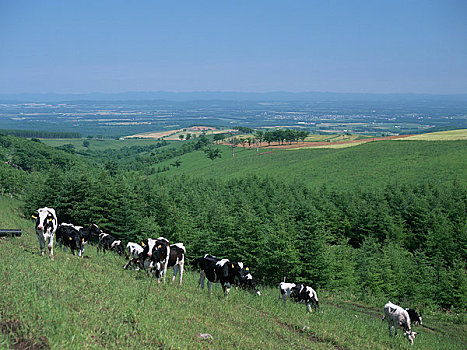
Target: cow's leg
308 307
176 268
182 265
226 288
81 253
41 239
390 329
202 276
51 247
209 287
165 266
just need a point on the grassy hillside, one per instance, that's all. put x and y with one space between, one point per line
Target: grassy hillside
367 165
92 303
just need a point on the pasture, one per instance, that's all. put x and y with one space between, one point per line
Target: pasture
92 303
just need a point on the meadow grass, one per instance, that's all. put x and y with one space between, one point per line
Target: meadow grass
92 303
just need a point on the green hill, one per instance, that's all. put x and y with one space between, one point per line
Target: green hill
92 303
367 165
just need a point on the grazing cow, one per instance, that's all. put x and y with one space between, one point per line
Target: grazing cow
415 317
46 225
307 295
247 282
134 251
68 235
219 270
176 259
299 293
398 317
108 242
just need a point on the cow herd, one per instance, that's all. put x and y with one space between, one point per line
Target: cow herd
155 256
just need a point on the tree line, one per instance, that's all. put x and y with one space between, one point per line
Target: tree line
42 134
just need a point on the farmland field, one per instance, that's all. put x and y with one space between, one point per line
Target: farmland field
460 134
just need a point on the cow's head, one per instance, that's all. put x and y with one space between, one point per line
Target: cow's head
45 218
95 230
415 317
117 246
246 279
148 247
159 253
250 284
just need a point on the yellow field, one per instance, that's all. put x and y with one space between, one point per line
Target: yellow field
460 134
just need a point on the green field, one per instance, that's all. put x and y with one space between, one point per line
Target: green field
370 164
92 303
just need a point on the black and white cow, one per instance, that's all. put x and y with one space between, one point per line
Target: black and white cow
176 259
68 235
134 251
248 282
219 270
415 317
299 293
398 317
46 225
162 246
108 242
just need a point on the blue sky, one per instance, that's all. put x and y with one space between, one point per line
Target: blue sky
375 46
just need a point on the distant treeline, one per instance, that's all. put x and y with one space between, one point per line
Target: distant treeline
42 134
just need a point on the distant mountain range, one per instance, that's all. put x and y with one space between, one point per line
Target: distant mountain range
226 96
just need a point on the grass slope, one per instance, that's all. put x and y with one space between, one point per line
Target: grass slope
369 164
92 303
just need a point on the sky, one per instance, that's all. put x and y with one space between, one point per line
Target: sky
373 46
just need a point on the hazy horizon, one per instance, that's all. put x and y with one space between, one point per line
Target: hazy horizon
363 47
